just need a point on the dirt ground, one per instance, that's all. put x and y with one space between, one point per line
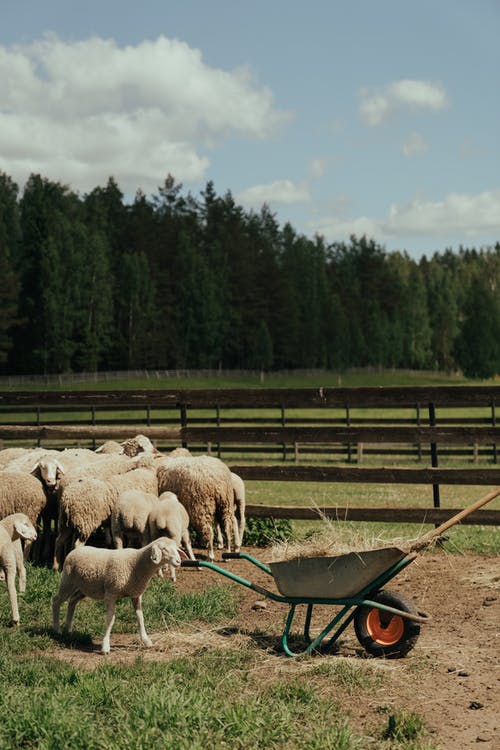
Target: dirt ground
451 678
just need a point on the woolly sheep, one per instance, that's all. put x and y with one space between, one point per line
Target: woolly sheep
203 485
13 528
109 575
21 493
138 444
110 446
168 517
129 517
87 504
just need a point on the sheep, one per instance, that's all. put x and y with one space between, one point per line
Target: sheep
203 485
86 504
21 493
109 575
168 517
129 517
110 446
13 528
138 444
239 509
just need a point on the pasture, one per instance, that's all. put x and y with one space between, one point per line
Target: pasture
216 675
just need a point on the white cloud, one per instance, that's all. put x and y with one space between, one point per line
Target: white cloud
415 145
317 168
458 215
79 112
377 106
280 191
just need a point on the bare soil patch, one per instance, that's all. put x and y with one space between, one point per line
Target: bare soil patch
451 678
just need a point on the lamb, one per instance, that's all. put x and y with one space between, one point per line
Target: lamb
13 528
86 504
204 486
168 517
109 575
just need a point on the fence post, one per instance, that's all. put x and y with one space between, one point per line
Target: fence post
283 423
217 419
183 423
434 455
419 445
494 424
348 424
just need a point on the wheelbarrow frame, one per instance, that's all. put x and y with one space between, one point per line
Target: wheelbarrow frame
348 605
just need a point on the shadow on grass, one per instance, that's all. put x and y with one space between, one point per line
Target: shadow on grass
273 643
76 639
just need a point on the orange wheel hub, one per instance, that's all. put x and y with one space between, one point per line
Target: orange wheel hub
387 631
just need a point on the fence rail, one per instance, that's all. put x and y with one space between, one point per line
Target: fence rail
331 424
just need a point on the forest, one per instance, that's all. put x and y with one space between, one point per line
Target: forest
94 282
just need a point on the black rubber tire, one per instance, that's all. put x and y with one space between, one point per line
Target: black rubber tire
410 630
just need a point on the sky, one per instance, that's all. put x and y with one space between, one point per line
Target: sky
343 116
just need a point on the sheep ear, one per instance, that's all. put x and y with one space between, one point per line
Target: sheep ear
60 467
182 554
156 554
24 531
35 469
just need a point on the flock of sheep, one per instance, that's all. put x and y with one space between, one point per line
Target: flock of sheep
144 502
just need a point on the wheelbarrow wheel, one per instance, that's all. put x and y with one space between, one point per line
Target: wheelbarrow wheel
382 633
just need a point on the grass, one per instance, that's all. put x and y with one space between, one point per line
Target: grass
211 697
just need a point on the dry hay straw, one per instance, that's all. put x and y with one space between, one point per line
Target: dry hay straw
333 539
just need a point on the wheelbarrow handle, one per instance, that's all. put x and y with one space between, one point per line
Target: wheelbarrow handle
231 555
190 563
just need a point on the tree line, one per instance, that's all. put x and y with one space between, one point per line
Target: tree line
170 281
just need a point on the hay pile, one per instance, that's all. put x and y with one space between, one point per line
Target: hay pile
334 538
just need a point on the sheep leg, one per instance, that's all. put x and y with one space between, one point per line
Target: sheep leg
186 541
10 576
60 550
20 569
220 541
75 597
110 621
236 528
137 605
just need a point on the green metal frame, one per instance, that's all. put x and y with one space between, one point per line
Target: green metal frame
343 618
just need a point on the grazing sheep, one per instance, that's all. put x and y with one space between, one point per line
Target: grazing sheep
129 518
86 504
204 486
21 493
168 517
13 528
109 575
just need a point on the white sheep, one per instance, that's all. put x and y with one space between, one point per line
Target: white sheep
204 486
138 444
87 504
168 517
109 575
129 518
13 528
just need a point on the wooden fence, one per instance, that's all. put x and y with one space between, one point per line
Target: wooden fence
337 428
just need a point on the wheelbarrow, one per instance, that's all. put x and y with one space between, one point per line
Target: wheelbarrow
386 623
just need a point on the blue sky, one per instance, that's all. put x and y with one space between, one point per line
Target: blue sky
349 117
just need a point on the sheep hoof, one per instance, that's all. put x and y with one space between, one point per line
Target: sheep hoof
104 651
148 643
14 623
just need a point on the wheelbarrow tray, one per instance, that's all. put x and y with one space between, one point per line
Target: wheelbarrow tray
338 577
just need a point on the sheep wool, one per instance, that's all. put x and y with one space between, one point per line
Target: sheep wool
204 486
